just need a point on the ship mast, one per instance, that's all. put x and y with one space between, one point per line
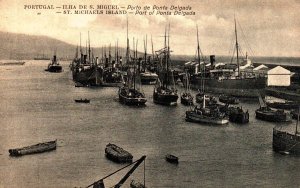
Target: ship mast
166 59
296 131
145 47
152 49
237 47
127 49
89 46
198 58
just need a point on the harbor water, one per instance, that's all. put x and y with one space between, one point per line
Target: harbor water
38 106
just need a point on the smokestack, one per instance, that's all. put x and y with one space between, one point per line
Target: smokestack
54 58
212 60
84 59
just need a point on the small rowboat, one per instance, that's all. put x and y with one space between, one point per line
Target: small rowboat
135 184
172 159
37 148
82 100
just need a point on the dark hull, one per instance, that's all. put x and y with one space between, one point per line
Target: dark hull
172 159
192 116
148 79
135 100
38 148
54 68
272 116
285 142
283 94
286 106
228 100
82 101
117 154
165 99
186 100
236 87
241 118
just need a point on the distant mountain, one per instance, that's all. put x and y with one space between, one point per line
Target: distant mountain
23 46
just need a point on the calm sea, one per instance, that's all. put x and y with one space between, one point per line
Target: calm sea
37 106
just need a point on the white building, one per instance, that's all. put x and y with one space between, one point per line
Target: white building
279 76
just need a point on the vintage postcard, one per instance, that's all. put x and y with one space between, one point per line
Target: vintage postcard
149 93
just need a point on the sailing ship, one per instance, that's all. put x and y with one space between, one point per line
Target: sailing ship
37 148
86 69
165 92
229 81
54 65
130 93
147 76
112 76
285 142
186 97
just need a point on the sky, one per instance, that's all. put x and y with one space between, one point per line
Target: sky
264 27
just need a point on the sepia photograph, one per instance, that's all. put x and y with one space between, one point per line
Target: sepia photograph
149 93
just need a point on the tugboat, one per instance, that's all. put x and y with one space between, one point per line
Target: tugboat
186 97
130 93
54 65
236 114
227 99
164 91
206 115
286 143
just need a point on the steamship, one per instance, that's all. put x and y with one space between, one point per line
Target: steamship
229 79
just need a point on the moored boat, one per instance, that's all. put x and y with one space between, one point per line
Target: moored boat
267 114
148 78
202 114
164 92
130 96
37 148
135 184
172 159
287 105
285 142
186 99
117 154
131 92
227 99
235 80
82 100
237 115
